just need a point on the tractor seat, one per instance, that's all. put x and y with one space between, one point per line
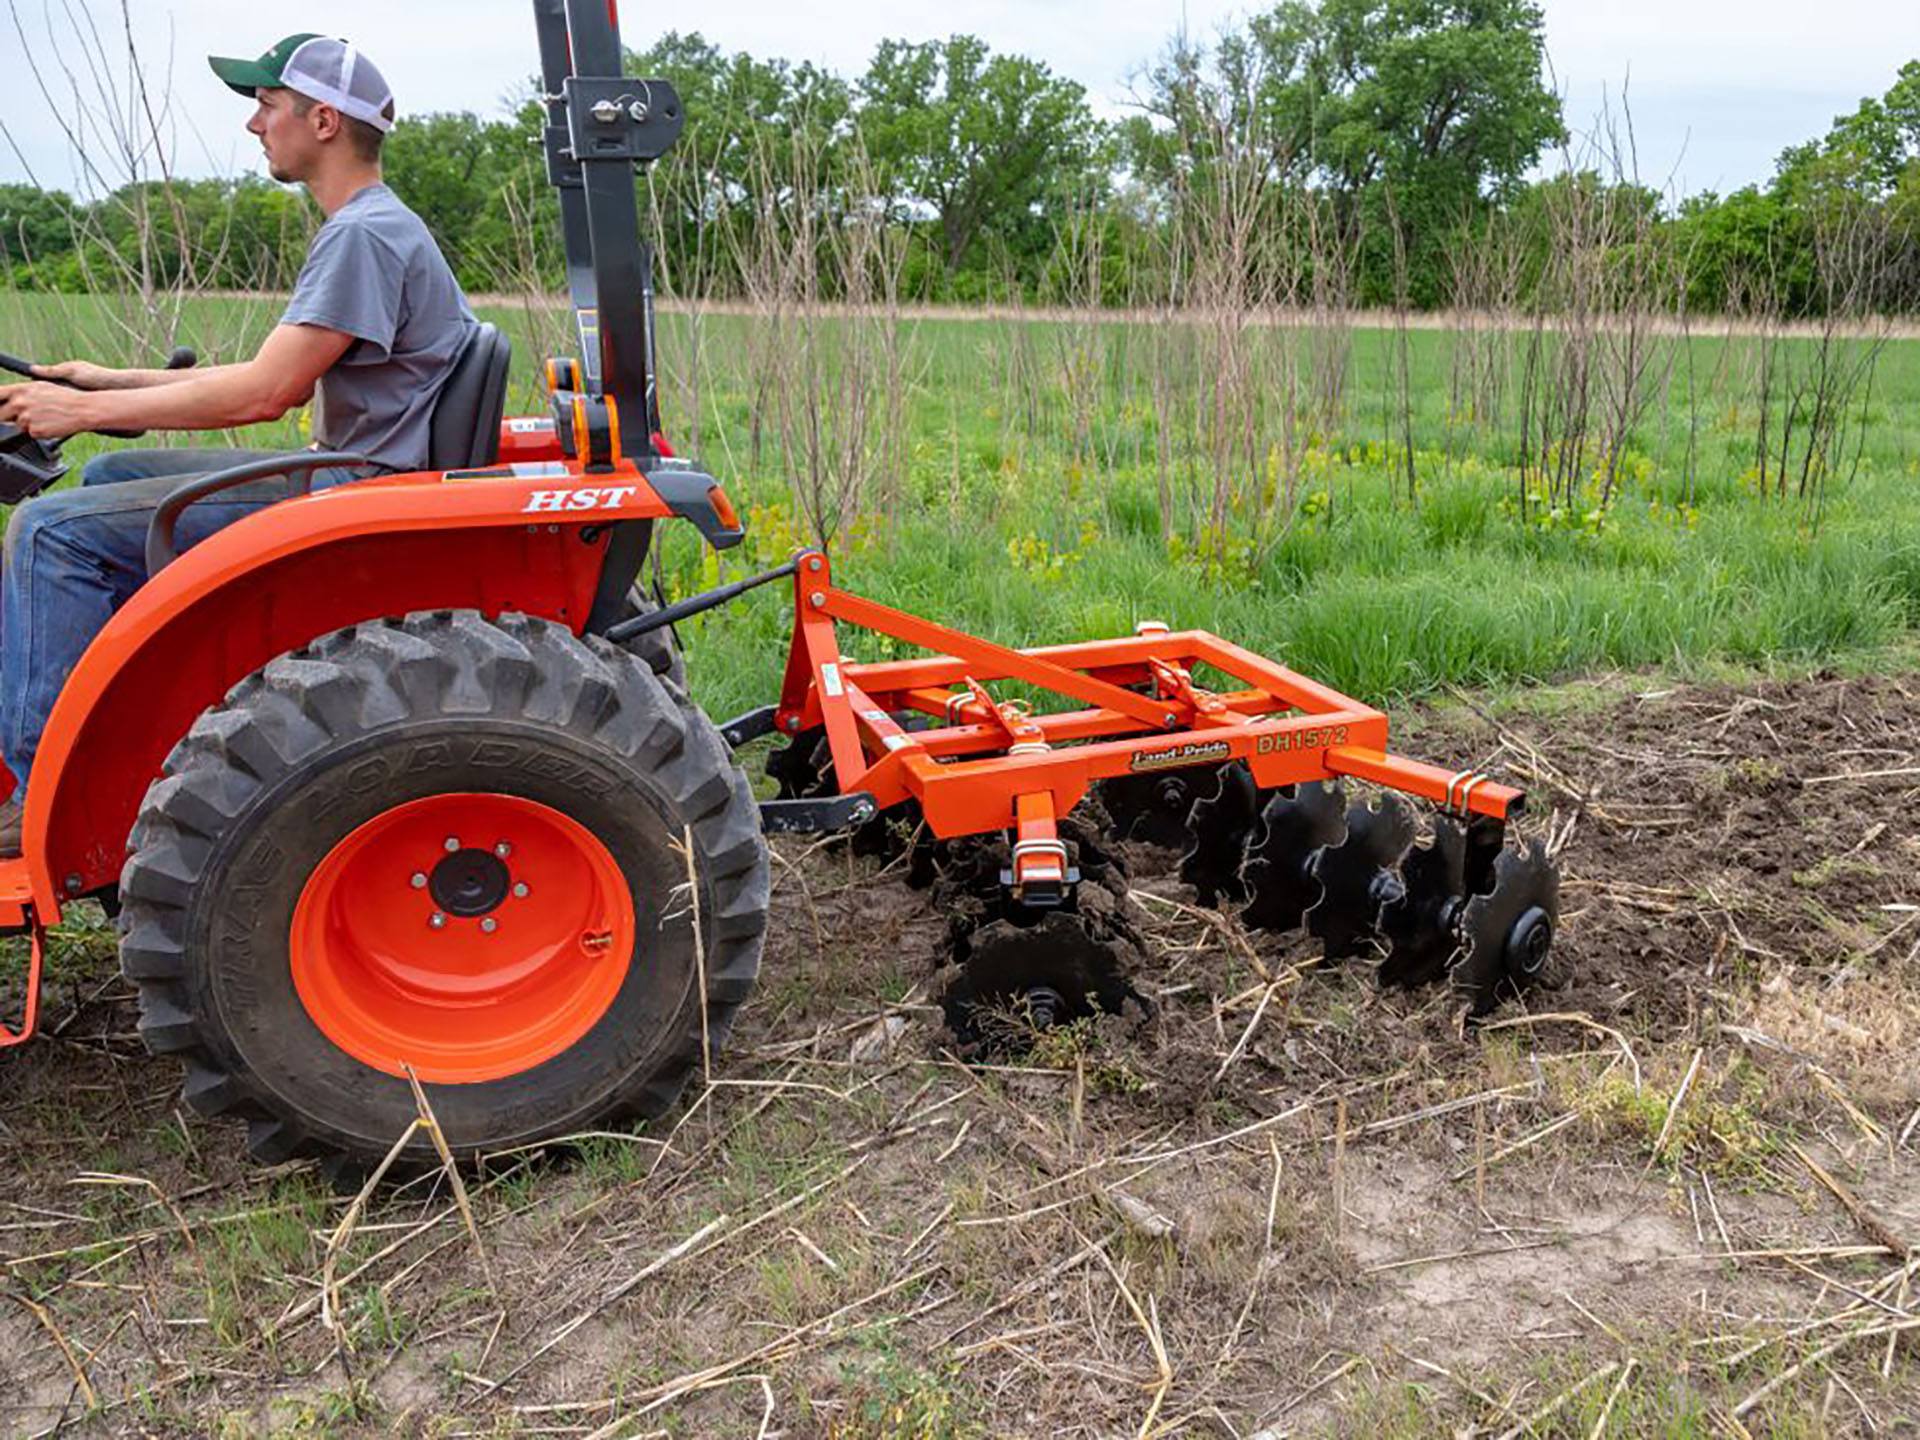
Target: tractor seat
464 432
465 429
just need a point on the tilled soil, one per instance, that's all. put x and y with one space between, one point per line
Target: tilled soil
1672 1194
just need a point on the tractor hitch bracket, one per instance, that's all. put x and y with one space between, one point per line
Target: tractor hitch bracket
744 729
826 815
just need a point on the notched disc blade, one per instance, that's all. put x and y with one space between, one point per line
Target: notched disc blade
1354 875
1279 878
1154 809
1081 971
1506 933
1418 925
1219 824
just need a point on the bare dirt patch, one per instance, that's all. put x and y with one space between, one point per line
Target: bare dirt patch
1658 1199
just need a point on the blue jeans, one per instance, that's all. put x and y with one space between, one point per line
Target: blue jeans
74 557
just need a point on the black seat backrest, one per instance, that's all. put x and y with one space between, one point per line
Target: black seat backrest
466 417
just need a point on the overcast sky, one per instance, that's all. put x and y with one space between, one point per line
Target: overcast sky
1717 87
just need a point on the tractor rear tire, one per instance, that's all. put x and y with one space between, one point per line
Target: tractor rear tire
452 845
657 648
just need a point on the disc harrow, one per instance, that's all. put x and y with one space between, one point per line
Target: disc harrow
1024 823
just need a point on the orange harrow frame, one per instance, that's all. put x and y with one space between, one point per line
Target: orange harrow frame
991 765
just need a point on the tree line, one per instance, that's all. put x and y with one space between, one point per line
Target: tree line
1370 152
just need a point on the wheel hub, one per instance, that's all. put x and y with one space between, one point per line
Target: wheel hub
1045 1006
1529 941
469 882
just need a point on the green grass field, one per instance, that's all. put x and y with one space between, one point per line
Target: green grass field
1674 1198
1025 503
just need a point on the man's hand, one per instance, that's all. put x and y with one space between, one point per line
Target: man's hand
83 375
278 379
45 411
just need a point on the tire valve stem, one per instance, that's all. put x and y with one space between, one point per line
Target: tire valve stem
594 941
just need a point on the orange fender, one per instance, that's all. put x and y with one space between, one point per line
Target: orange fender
528 538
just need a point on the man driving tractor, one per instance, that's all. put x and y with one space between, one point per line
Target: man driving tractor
371 334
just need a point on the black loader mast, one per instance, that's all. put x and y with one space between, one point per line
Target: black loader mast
601 124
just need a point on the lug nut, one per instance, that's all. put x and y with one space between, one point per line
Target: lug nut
419 881
489 925
519 889
503 849
438 921
451 844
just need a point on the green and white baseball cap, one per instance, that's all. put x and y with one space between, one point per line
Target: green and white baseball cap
320 68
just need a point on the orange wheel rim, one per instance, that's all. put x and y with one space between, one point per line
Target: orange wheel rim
468 936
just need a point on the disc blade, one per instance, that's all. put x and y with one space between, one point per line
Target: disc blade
1281 886
1154 809
1506 933
1220 823
802 767
1418 925
1081 970
1357 875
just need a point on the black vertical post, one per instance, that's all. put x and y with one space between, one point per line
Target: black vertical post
654 425
613 227
556 63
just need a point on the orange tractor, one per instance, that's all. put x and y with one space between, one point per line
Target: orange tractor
401 776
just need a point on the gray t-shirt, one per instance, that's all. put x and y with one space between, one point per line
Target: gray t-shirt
374 273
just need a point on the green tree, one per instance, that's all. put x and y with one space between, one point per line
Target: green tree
1875 148
455 170
978 142
1411 115
1740 250
36 229
1439 96
1416 112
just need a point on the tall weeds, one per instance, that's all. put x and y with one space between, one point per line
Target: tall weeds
1600 317
828 362
1254 318
1811 392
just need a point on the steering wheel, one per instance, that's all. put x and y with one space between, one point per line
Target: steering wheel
27 465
